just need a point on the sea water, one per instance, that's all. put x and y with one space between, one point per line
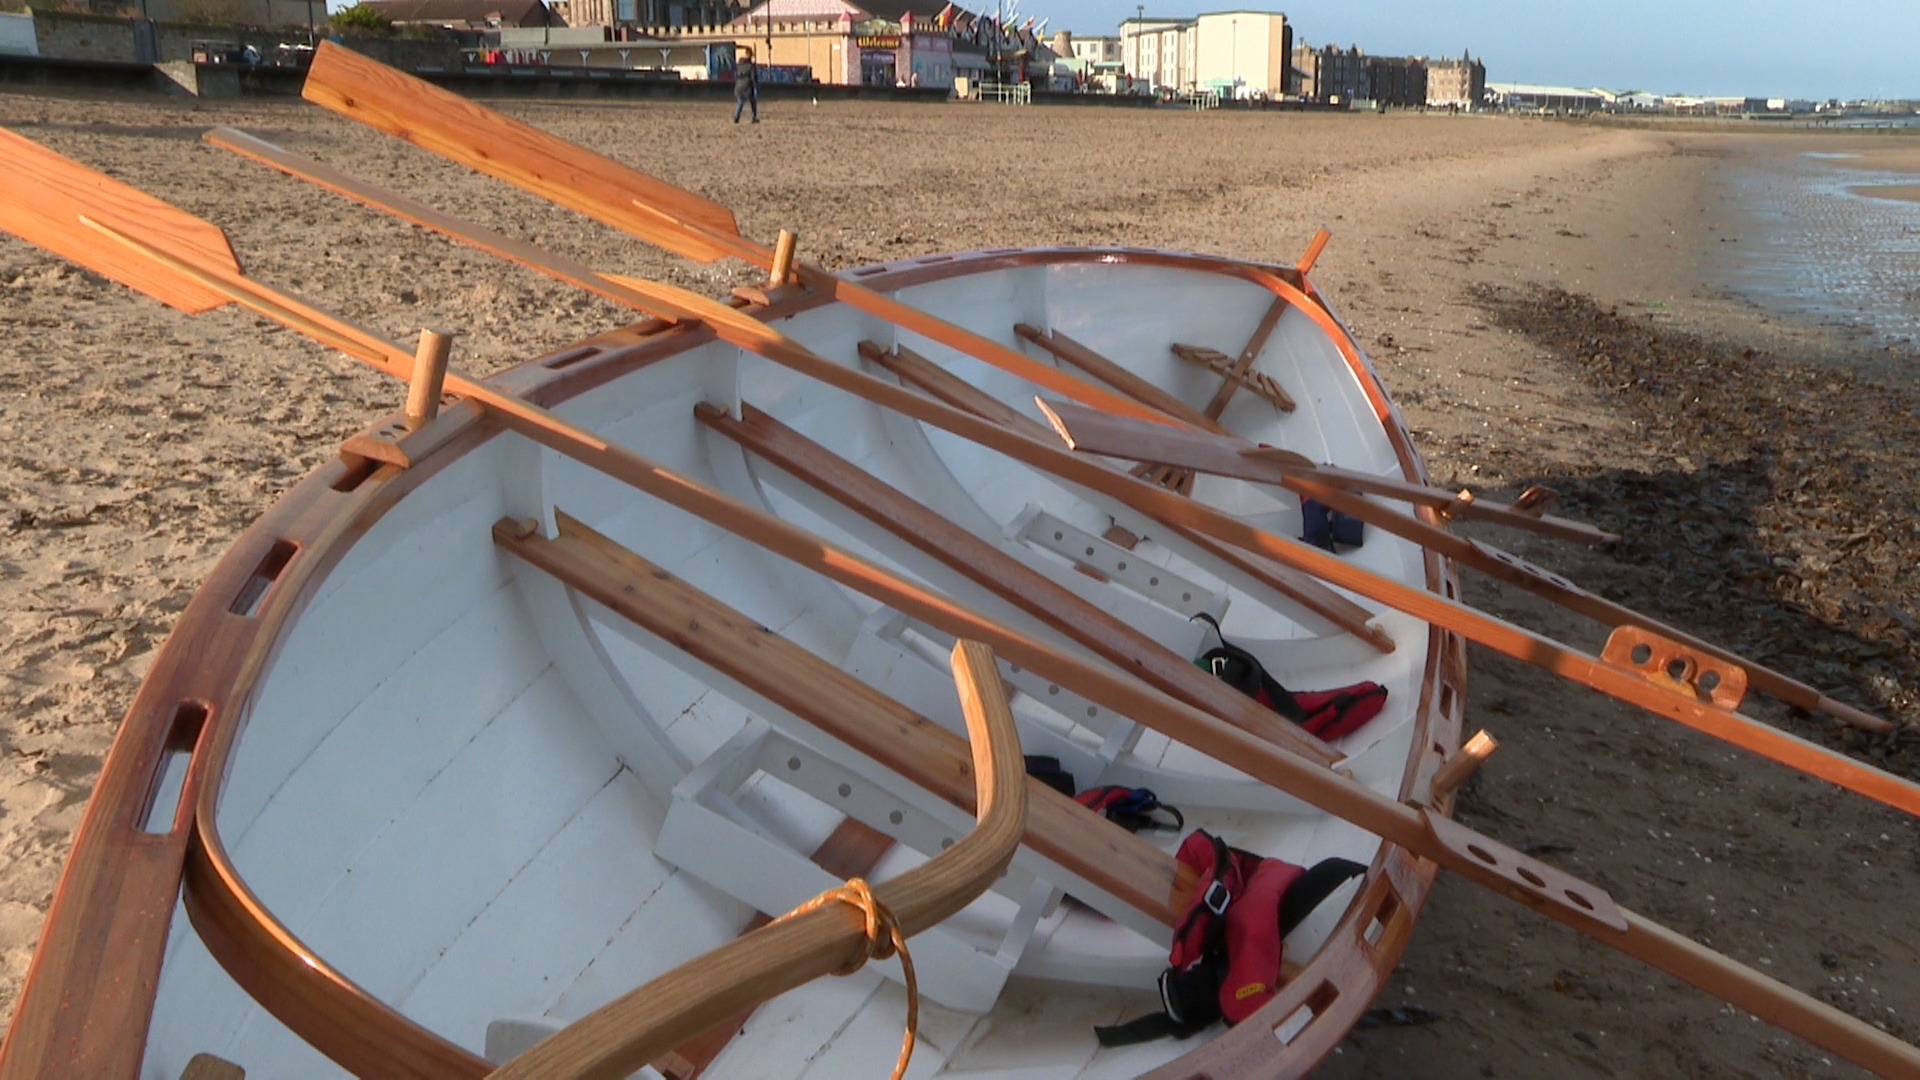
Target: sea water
1822 246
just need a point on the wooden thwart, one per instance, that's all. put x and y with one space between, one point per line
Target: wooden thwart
842 706
1116 376
618 1038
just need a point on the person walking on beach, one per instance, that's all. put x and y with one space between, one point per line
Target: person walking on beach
746 86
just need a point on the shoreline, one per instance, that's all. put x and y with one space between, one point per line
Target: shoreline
166 452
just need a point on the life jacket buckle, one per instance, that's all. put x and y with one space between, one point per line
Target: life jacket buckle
1217 897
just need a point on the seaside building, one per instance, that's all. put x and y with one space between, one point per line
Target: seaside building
1330 75
1456 84
1556 99
466 14
1094 61
1239 53
1396 81
1150 53
1094 50
1242 54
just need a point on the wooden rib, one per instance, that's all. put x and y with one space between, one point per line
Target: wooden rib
841 705
852 850
621 1036
999 573
1283 581
60 190
1248 355
1099 433
1128 383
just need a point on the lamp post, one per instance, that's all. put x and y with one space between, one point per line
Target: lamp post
1139 24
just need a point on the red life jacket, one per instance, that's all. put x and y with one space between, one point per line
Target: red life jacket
1327 714
1227 947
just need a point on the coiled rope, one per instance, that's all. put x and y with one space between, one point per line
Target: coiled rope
884 940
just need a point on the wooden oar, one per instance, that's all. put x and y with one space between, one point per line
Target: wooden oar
622 1036
1121 693
611 286
649 208
1094 432
1447 843
643 295
1644 686
689 225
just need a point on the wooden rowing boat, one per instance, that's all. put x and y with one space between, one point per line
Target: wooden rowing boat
527 699
440 756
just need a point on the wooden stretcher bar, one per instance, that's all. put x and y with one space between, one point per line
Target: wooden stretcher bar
1309 593
1094 432
620 1037
1001 574
1223 397
1234 375
841 705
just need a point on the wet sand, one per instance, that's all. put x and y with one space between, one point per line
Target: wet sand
1903 192
140 442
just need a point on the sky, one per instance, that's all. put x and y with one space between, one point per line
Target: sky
1756 48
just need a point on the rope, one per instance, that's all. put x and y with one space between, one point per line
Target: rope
884 940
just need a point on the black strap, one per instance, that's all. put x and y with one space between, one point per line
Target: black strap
1244 672
1138 1030
1189 1003
1312 887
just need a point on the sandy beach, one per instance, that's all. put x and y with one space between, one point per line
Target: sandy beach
1537 295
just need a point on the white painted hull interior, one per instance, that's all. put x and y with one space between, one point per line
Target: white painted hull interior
494 804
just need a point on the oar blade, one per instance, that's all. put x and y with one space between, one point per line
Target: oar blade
46 194
481 139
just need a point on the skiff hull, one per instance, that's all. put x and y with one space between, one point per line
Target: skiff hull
419 790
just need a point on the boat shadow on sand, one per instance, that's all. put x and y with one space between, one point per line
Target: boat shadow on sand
1784 528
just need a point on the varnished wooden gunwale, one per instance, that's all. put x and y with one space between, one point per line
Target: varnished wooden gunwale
51 1038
